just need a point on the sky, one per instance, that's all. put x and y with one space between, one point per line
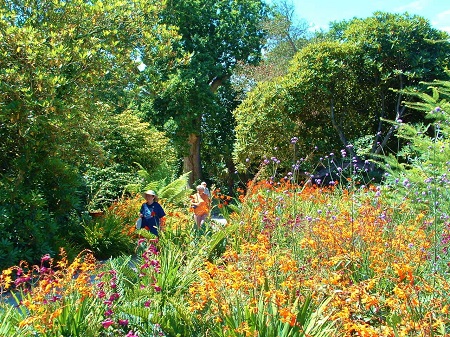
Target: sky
318 13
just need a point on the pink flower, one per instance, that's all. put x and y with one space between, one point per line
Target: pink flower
114 296
108 312
123 322
46 257
107 323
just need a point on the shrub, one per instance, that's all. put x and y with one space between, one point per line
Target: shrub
107 236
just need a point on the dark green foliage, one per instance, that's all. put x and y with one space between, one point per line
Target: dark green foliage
107 236
68 73
217 35
28 228
218 126
106 185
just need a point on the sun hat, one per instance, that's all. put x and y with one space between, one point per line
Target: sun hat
149 192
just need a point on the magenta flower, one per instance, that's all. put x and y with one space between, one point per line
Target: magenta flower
123 322
107 323
108 313
114 296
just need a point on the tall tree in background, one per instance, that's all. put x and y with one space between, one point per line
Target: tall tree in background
285 36
400 51
217 34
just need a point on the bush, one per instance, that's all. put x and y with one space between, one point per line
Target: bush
27 227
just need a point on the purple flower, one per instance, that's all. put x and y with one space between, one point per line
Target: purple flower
131 334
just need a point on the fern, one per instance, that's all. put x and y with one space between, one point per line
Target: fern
136 310
175 192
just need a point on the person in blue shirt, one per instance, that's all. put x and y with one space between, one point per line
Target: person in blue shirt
151 212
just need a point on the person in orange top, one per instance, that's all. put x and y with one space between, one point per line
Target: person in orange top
200 204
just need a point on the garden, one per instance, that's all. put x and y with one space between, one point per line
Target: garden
352 258
327 154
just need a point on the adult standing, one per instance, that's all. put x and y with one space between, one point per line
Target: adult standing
200 204
206 189
151 212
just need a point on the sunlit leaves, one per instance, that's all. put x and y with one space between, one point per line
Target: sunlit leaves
66 66
341 86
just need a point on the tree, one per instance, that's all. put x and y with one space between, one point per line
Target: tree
285 36
401 51
340 88
65 65
217 34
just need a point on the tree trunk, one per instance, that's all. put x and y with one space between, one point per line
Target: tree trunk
191 163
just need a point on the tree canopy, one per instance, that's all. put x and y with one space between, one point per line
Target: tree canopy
217 34
64 68
340 88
